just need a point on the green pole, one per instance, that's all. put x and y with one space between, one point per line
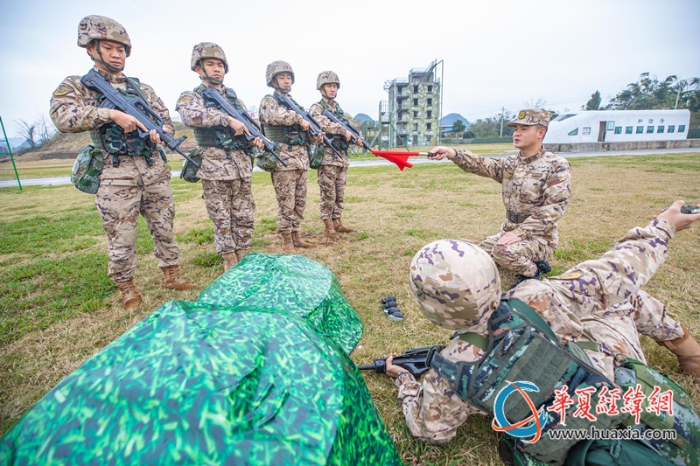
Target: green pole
9 151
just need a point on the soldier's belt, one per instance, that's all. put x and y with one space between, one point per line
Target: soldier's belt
516 218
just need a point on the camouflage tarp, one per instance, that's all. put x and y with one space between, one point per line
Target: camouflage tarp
202 383
294 284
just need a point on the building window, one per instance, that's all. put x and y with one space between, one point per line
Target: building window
586 130
640 129
415 114
415 89
573 132
611 126
415 101
430 88
429 126
618 130
430 102
415 126
660 129
629 129
671 128
681 128
650 129
430 114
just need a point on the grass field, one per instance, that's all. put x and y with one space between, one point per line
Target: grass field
57 306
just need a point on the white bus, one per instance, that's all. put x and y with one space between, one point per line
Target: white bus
618 126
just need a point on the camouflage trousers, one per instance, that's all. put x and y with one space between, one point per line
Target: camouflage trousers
519 257
119 207
290 190
331 181
231 206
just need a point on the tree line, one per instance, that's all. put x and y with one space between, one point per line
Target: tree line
648 93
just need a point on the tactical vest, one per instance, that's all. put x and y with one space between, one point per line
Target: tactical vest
111 138
219 136
522 347
293 135
337 141
528 350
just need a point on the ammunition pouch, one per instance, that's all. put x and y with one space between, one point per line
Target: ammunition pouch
87 169
189 171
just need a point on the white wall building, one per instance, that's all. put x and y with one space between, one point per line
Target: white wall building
618 126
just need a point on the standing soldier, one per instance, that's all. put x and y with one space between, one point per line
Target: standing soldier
333 172
135 178
289 130
536 191
227 165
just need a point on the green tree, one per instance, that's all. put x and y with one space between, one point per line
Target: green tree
458 126
594 102
650 93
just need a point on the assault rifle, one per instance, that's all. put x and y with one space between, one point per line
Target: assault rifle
348 127
315 127
244 117
137 108
413 360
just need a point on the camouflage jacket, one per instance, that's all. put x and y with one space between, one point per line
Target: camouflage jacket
73 110
583 304
536 190
272 113
216 163
330 129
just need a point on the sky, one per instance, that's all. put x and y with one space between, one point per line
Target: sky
493 54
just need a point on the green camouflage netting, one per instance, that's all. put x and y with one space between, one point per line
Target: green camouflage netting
199 383
295 284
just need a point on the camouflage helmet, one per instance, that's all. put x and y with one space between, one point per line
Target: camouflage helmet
276 67
455 284
327 77
95 27
208 50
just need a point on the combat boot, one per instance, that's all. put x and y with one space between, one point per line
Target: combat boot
330 231
339 227
287 243
230 259
241 253
298 242
687 350
131 296
173 280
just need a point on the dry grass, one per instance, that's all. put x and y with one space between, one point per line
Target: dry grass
395 213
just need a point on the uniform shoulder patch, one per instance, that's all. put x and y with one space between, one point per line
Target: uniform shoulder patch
63 89
567 276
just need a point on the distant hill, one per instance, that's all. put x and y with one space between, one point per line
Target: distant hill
449 120
15 144
363 117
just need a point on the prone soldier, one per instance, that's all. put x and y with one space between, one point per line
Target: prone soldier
227 166
456 286
135 178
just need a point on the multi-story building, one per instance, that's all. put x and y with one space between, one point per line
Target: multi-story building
411 116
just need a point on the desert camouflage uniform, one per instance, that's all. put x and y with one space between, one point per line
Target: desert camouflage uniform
290 181
136 185
598 300
226 176
536 192
333 172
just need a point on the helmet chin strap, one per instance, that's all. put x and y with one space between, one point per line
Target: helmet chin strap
102 61
206 77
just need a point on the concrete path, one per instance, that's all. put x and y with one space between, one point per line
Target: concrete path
63 180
